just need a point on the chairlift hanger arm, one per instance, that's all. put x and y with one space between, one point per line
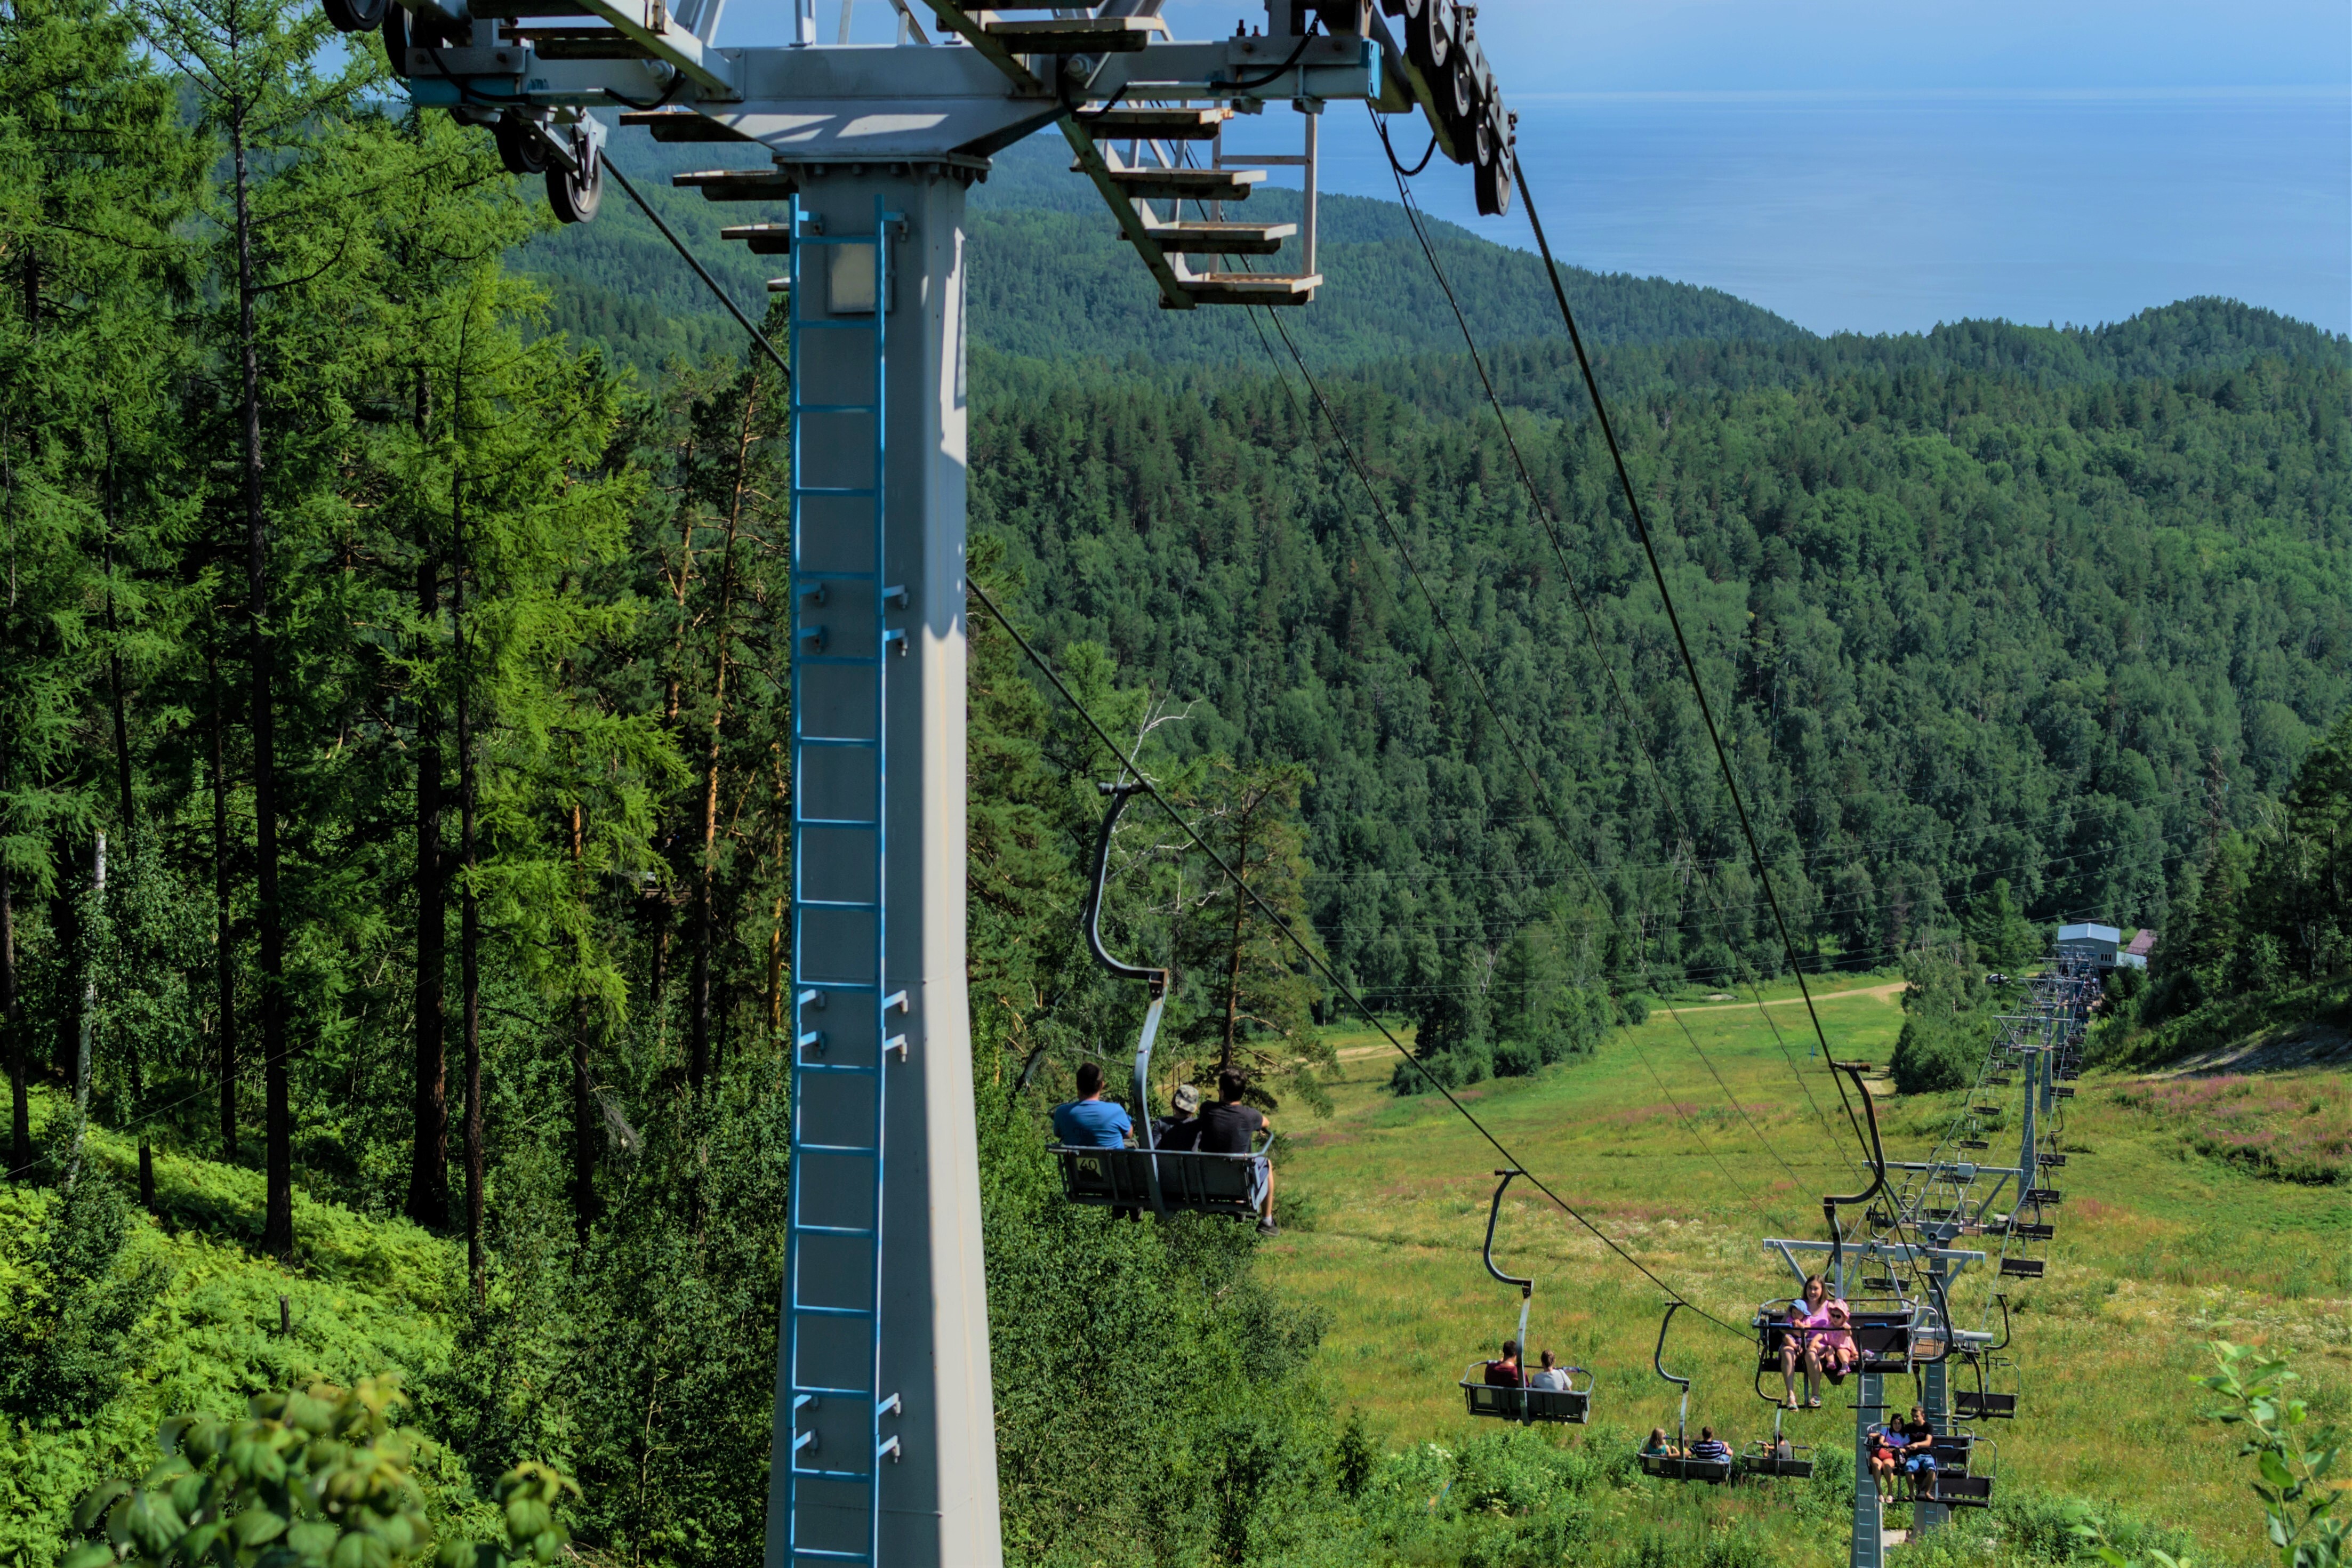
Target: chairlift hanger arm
1526 1287
1657 1356
1853 1070
1157 979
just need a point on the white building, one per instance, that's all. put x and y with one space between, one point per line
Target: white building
2097 943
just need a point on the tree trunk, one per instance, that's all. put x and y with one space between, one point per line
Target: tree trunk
428 1164
223 933
20 1111
278 1219
64 927
468 925
12 1037
707 922
124 808
1234 968
83 1040
585 1206
776 917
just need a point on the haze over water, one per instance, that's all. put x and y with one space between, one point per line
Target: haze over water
1888 212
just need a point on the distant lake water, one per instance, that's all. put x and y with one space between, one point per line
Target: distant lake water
1890 213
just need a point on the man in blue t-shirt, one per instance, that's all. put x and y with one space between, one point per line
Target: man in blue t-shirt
1091 1121
1710 1447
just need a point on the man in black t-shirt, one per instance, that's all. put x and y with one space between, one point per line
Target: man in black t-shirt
1919 1455
1228 1127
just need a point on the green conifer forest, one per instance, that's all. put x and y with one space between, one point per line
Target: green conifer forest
396 587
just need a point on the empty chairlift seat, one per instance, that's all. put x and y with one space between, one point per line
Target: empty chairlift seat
1983 1404
1960 1480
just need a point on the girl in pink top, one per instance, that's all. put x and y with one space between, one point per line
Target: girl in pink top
1834 1345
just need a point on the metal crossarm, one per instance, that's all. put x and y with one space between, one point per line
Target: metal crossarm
831 1371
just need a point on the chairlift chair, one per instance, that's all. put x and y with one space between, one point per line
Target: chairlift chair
2020 1236
1161 1180
1982 1403
1962 1479
1529 1407
1765 1459
1680 1467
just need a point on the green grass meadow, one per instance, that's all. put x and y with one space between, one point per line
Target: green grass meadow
2163 1244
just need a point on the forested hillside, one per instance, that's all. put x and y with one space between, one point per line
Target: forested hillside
1966 627
1051 278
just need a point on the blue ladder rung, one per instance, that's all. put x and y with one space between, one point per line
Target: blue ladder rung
839 390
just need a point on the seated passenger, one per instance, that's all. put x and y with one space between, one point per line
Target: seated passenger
1795 1348
1657 1447
1227 1128
1833 1346
1182 1128
1549 1376
1884 1445
1091 1121
1919 1452
1709 1446
1504 1373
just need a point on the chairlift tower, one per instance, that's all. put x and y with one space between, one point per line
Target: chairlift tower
883 1450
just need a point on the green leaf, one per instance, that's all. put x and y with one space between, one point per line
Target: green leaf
312 1537
2274 1470
91 1554
526 1516
256 1525
96 1502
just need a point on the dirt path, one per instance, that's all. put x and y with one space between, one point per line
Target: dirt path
1891 989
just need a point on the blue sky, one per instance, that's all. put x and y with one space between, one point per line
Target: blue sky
1716 45
1545 47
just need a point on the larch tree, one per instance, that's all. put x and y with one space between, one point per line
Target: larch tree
286 317
1254 993
95 172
